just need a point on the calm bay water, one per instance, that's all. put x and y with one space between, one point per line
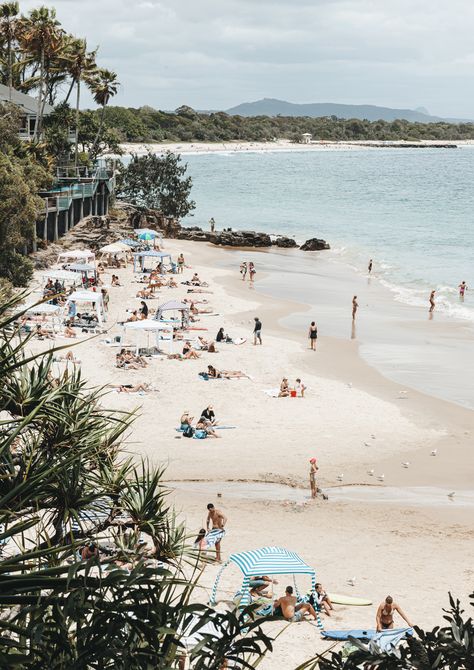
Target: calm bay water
411 210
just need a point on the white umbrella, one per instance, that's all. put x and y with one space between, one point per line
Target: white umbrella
114 248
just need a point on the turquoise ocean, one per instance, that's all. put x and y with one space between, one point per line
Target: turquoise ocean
411 210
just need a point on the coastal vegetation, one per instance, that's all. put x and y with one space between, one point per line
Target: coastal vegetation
157 182
145 124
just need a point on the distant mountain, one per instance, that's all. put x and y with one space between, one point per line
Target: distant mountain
272 107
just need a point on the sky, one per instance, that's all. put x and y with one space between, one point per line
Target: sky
214 54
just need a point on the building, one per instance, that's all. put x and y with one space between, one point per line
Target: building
28 107
306 138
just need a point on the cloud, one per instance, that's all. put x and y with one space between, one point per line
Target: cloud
214 54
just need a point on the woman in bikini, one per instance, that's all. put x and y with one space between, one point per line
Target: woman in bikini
313 335
385 612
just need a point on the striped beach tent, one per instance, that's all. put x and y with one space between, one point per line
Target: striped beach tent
265 561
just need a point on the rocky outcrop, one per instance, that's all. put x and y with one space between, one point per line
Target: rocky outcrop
314 244
285 242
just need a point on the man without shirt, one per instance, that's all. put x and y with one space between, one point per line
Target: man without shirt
218 521
290 609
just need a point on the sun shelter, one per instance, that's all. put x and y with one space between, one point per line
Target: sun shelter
130 243
44 308
64 276
140 256
89 298
149 326
163 311
88 272
265 561
80 255
115 248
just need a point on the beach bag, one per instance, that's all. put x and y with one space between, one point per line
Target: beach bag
188 431
200 434
204 376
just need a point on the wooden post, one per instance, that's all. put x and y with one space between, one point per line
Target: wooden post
56 224
82 206
66 220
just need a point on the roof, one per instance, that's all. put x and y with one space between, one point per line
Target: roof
154 254
27 103
147 324
270 561
85 296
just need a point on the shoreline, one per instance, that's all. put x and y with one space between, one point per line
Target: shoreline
281 146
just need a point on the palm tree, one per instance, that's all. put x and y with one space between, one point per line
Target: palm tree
103 85
8 24
81 66
40 38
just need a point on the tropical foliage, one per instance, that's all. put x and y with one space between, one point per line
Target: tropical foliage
157 182
38 57
185 125
65 482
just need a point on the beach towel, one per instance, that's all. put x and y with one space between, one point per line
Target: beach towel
213 536
273 393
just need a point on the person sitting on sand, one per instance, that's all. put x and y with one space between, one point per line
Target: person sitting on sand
221 336
143 311
284 388
290 609
259 585
195 281
189 352
384 618
186 420
115 281
43 333
171 283
207 427
133 316
323 600
300 388
209 414
100 268
89 551
68 331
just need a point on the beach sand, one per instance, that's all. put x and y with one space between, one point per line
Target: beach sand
352 420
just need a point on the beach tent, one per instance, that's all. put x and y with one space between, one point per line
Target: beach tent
150 326
80 267
140 256
265 561
129 242
89 297
84 255
66 276
45 308
173 306
115 248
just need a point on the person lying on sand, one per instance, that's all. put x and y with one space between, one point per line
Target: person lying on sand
145 293
290 609
129 388
284 388
125 359
225 374
133 316
68 358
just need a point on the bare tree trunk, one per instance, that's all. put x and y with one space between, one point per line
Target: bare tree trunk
78 98
37 132
70 90
99 131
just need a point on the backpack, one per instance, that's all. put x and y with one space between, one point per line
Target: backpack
188 432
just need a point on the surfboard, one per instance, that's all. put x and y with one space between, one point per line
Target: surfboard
346 634
339 599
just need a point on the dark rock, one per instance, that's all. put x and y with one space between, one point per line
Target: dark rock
314 244
285 242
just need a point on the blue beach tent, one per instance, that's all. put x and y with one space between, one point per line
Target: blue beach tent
157 256
265 561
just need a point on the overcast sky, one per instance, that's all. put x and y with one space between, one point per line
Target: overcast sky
213 54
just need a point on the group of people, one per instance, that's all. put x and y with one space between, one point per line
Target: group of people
130 361
247 268
205 425
294 391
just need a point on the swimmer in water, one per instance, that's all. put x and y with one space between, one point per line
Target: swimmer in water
462 289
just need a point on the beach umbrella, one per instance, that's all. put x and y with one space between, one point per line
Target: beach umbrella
146 236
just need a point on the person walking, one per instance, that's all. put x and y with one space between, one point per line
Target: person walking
243 270
355 307
313 335
252 271
432 301
217 520
313 468
462 289
212 224
370 266
257 331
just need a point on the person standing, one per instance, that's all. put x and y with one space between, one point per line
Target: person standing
312 477
212 224
252 271
384 618
72 310
243 270
462 289
370 267
313 335
355 306
105 299
217 520
432 301
181 263
257 331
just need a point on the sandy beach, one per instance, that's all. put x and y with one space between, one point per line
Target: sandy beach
352 419
278 145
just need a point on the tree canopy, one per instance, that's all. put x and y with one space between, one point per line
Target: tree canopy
157 182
